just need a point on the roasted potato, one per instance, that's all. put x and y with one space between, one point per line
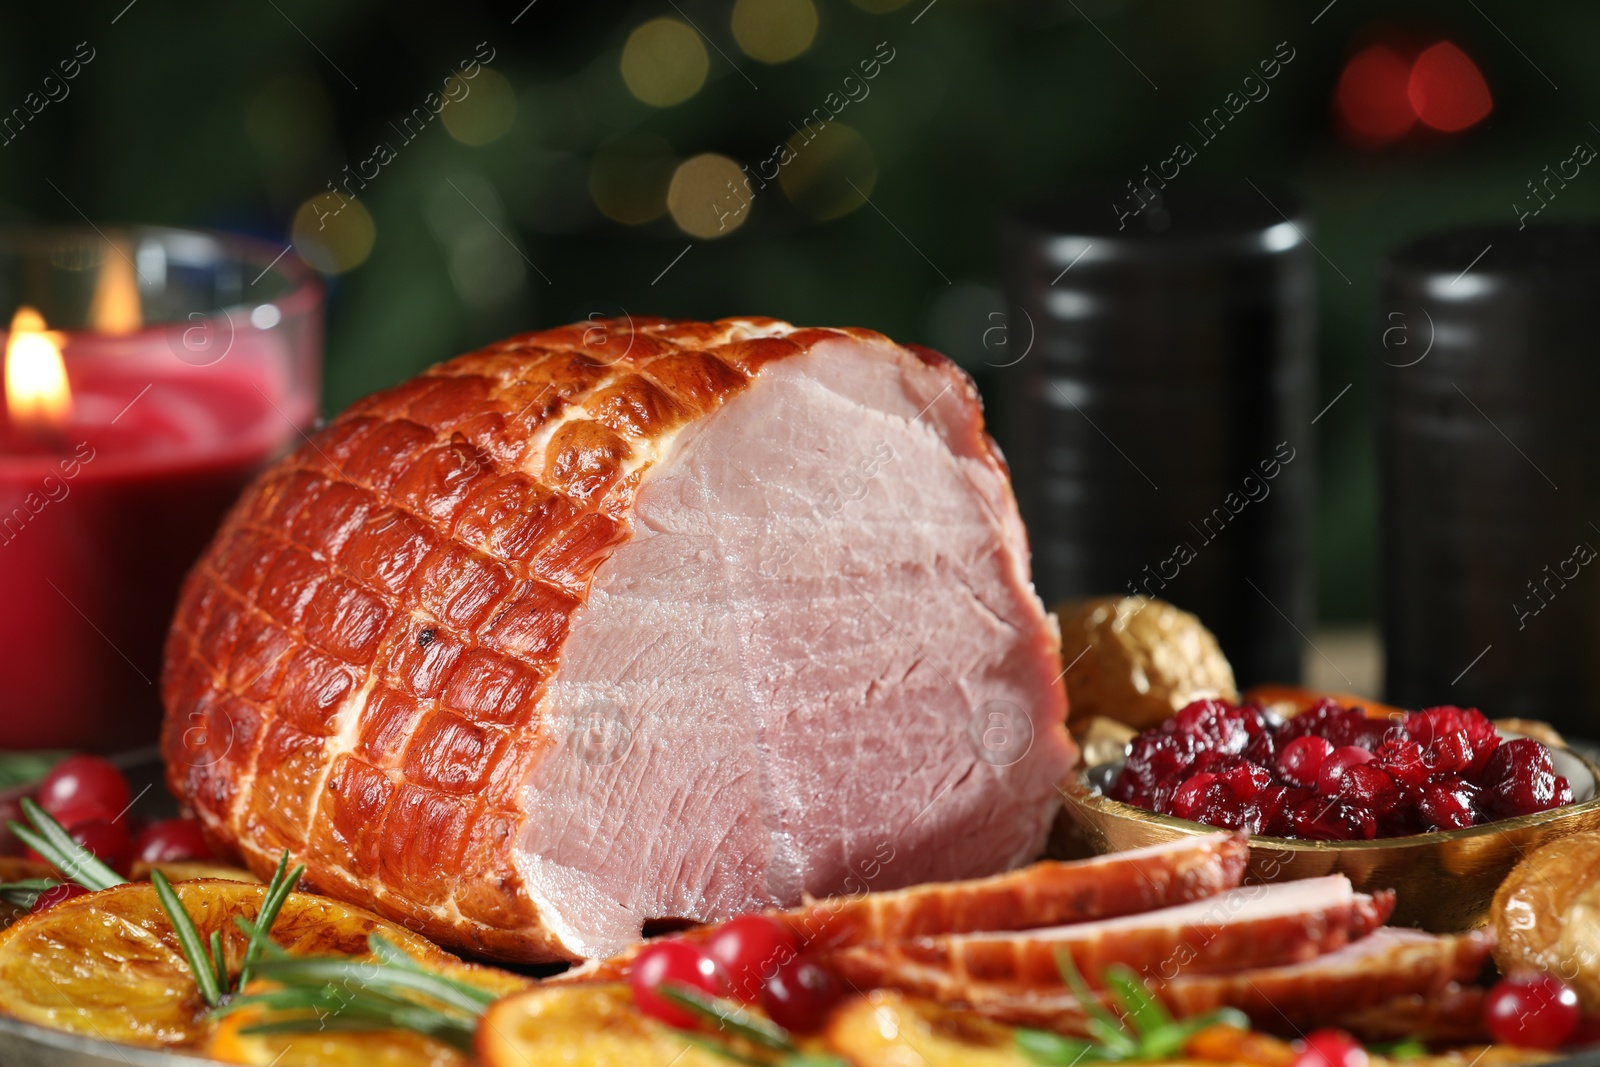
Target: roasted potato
1547 914
1138 660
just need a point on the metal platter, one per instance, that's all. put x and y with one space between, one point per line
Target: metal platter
26 1045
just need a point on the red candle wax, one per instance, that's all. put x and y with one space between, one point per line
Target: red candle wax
101 516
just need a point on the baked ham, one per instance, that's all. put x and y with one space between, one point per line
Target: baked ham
1390 984
1048 893
620 622
1250 927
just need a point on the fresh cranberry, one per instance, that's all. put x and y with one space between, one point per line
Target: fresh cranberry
1333 768
800 995
1520 779
677 962
11 812
1453 739
1302 758
1448 803
108 841
1223 727
749 951
1262 749
168 840
80 788
1531 1010
56 894
1331 1048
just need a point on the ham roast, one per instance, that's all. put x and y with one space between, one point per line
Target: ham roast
624 622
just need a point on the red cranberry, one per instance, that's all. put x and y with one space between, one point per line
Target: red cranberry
1531 1010
1402 760
1302 758
1333 768
1453 739
1520 779
1274 804
82 787
1587 1033
57 893
749 950
671 961
169 840
800 995
1448 803
1246 780
1222 726
1368 787
1331 1048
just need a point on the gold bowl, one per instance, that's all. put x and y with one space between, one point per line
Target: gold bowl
1443 881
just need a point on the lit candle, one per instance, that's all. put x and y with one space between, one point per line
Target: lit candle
122 445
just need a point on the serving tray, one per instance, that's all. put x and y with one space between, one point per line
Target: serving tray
26 1045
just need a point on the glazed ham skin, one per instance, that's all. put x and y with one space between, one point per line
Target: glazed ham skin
622 622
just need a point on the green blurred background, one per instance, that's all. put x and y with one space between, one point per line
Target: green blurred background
570 177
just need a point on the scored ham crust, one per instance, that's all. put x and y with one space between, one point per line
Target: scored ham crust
625 621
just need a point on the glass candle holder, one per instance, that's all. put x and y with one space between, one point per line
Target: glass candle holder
149 374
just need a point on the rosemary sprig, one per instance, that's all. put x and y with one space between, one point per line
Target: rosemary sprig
767 1038
209 966
391 991
203 967
50 839
24 893
1147 1030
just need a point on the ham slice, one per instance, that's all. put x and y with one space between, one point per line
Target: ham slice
620 622
1392 983
1045 894
1253 926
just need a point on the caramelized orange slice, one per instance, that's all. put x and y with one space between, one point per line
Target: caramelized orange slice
581 1026
108 964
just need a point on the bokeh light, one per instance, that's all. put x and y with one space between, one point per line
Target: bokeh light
831 173
664 62
1447 90
774 31
333 233
629 175
708 196
485 113
1371 101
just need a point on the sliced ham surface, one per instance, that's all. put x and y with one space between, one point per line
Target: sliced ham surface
1391 983
1249 927
624 622
1048 893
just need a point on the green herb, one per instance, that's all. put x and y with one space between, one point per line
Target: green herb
209 967
194 949
50 839
1147 1031
772 1045
283 881
23 894
1409 1049
391 991
23 768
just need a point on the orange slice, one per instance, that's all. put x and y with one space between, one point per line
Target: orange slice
581 1026
886 1029
108 964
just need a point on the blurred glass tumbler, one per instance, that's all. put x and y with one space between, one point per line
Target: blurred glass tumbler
1158 428
1489 446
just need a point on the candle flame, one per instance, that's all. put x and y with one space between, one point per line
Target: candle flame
115 308
36 376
